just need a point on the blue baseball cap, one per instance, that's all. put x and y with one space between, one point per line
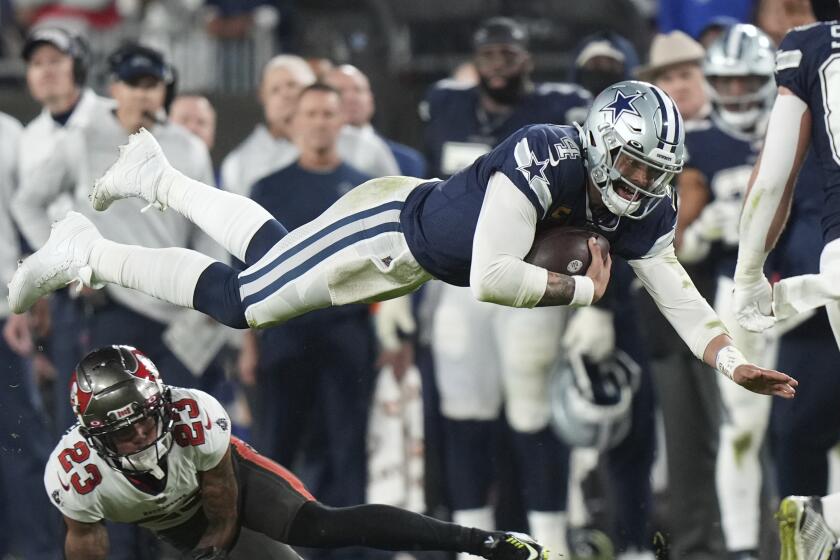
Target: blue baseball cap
132 62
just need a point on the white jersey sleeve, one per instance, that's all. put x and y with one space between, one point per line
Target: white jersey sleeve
202 427
503 235
677 298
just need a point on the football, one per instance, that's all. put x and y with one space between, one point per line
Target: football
564 249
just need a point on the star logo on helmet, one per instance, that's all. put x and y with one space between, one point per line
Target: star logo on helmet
533 168
622 104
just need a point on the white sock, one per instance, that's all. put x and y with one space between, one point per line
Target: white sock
231 220
831 512
480 518
167 274
549 529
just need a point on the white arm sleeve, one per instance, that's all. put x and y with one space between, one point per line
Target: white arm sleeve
503 235
671 288
774 170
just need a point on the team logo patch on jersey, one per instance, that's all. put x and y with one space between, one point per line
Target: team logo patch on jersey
574 266
561 211
620 105
223 424
533 168
56 497
63 485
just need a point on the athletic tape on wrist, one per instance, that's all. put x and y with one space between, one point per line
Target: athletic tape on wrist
584 291
729 358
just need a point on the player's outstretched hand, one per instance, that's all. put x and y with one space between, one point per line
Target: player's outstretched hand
599 268
765 381
208 553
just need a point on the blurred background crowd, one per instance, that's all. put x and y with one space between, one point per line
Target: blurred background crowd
595 430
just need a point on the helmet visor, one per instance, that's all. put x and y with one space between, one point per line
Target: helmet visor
130 436
635 178
738 93
134 437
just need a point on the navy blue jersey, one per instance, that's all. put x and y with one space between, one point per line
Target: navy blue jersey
798 251
808 63
458 130
544 162
726 160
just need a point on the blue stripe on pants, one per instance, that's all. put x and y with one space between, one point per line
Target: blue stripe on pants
313 261
250 277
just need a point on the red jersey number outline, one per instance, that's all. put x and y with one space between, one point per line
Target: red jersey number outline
192 434
78 454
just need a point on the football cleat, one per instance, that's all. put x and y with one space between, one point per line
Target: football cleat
137 172
802 529
62 259
514 546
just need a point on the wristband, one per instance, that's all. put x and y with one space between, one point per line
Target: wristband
729 358
584 291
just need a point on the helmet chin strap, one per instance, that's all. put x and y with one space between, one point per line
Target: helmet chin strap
742 120
147 460
616 204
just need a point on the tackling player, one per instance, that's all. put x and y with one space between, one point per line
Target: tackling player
804 114
390 235
163 457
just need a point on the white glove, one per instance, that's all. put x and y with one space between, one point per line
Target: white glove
710 223
590 333
393 316
752 300
719 221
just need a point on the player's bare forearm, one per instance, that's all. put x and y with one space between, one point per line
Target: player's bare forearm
715 345
559 290
85 541
218 497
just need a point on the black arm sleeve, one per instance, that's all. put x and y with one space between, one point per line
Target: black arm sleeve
380 526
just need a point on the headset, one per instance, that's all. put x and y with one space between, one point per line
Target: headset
170 74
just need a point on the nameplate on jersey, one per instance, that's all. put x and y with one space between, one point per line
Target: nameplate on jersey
458 155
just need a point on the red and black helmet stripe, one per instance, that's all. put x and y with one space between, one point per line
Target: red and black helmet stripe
79 397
